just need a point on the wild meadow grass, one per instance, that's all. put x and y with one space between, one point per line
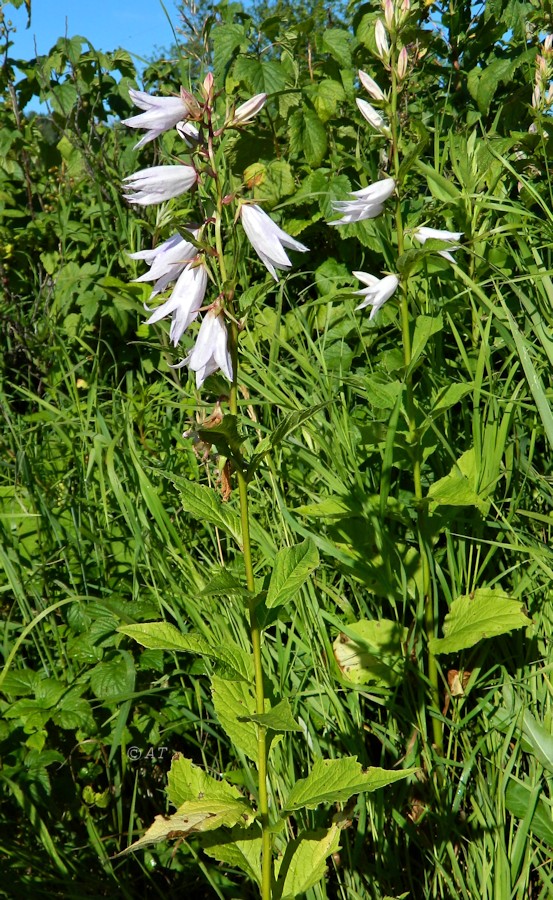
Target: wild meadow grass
95 474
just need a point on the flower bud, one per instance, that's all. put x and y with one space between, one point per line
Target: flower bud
248 110
371 86
389 14
403 59
381 39
207 87
536 97
548 44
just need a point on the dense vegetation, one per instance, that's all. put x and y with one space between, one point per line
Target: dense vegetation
96 531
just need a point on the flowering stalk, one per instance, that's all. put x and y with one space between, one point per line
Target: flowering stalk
397 73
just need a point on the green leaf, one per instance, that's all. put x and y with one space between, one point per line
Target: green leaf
205 505
459 487
279 718
450 396
304 862
336 780
227 42
292 568
337 42
114 678
539 738
187 781
224 436
238 848
534 382
260 77
483 614
308 136
191 818
425 327
325 96
233 701
440 187
518 797
371 651
287 426
164 636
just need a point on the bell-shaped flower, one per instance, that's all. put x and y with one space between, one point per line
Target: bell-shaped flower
248 110
166 261
368 204
161 114
267 239
159 183
378 290
211 351
424 234
185 301
373 117
371 86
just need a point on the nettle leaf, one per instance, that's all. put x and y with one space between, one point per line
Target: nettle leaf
193 817
279 718
308 136
260 77
371 651
336 780
238 848
304 862
292 568
187 782
483 614
164 636
227 42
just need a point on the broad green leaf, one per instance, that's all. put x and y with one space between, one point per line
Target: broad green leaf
187 781
517 800
337 42
227 42
483 614
307 136
113 678
223 435
450 396
164 636
539 738
304 862
233 700
191 818
425 327
336 780
459 487
279 718
382 394
440 187
325 96
260 77
238 848
205 505
371 651
292 568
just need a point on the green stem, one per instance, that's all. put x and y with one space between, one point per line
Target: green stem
426 594
255 633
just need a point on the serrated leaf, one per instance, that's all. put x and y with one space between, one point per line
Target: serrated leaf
292 568
114 678
458 488
336 780
279 718
187 782
204 504
304 862
232 701
224 436
193 817
238 848
337 42
308 136
260 76
227 41
483 614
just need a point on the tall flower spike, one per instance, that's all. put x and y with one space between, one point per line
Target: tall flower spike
184 303
424 234
267 239
368 204
162 113
371 86
166 261
158 184
210 352
378 290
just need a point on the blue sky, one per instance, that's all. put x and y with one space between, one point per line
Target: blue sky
138 26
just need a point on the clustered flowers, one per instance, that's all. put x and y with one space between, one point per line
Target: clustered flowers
183 260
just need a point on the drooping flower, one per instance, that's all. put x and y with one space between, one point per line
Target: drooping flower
372 116
166 261
248 110
371 86
159 183
424 234
378 290
368 204
267 239
211 351
185 301
162 113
